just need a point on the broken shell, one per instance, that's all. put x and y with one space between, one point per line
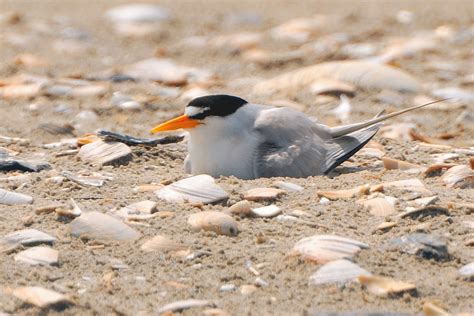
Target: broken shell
197 189
345 194
266 211
103 153
384 286
414 185
424 211
85 178
390 164
326 248
422 202
430 309
420 244
100 226
40 296
38 256
459 177
263 194
13 198
339 271
240 208
288 186
139 208
27 237
217 222
182 305
386 225
380 206
163 244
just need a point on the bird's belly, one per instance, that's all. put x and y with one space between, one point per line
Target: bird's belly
223 159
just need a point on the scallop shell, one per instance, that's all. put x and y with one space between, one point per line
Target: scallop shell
103 153
100 226
240 208
163 244
365 75
459 177
339 271
27 237
266 211
197 189
326 248
38 256
13 198
384 286
40 296
217 222
263 194
380 206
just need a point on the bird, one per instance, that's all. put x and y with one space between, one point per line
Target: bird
229 136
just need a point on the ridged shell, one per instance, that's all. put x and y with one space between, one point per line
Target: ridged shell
13 198
326 248
103 153
459 177
38 256
197 189
384 286
162 244
217 222
39 296
240 208
338 271
365 75
100 226
380 206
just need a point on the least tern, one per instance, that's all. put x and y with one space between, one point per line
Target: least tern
229 136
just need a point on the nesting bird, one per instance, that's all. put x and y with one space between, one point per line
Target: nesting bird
229 136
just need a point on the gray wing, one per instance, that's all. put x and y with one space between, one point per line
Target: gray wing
292 145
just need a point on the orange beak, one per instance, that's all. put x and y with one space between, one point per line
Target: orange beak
182 121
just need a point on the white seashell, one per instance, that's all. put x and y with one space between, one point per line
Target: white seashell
100 226
414 185
467 270
94 180
380 206
266 211
27 237
288 186
182 305
38 256
139 208
163 244
459 177
423 202
103 153
138 13
263 194
326 248
217 222
240 208
13 198
365 75
40 296
339 271
384 286
197 189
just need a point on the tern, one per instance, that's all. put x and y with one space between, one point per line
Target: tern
229 136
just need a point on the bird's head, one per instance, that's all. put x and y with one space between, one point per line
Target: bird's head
202 109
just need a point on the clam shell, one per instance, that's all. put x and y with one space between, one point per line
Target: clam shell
339 271
13 198
263 194
197 189
326 248
384 286
27 237
38 256
380 206
266 211
40 296
240 208
459 177
365 75
163 244
217 222
103 153
100 226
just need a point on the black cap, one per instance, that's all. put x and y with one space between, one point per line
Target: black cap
216 105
